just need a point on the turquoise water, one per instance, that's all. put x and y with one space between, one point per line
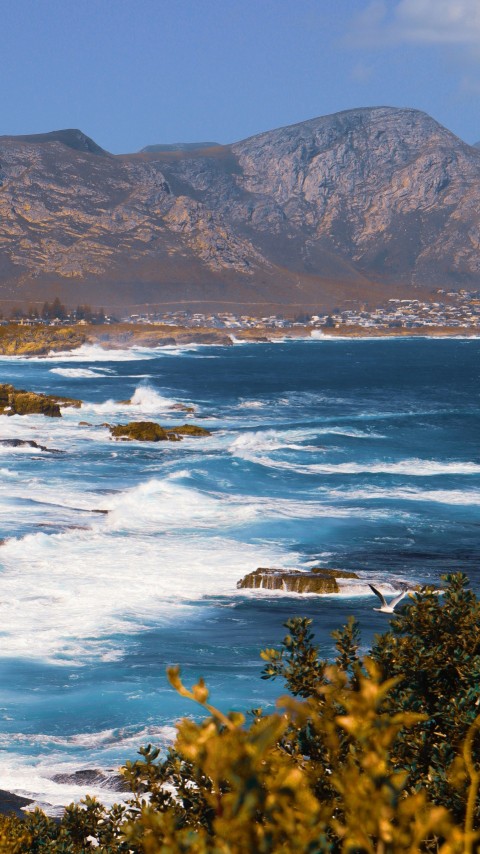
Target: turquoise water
357 454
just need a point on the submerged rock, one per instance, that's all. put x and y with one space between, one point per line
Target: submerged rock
94 777
14 401
182 407
150 431
29 443
11 803
317 580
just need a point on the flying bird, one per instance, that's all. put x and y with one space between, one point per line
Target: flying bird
388 607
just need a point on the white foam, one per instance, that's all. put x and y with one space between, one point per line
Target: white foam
68 596
31 775
467 497
252 404
144 401
147 400
408 467
348 588
79 373
350 432
247 444
95 353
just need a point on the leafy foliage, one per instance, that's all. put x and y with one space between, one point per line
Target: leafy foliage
380 754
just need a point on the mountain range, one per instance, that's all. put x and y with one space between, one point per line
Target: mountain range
360 205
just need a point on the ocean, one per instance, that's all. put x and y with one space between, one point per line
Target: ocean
121 558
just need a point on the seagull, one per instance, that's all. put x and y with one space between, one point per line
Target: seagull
386 607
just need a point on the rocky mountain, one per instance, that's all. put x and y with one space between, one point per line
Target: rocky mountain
363 204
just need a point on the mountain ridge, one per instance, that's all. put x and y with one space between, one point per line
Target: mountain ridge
364 204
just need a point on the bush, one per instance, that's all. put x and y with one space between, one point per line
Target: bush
375 754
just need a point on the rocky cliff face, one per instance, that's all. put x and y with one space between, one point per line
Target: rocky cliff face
365 203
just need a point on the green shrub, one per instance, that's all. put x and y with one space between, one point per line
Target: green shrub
373 755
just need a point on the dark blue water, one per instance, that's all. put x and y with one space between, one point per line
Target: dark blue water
359 455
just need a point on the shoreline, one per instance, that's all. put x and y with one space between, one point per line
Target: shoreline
40 340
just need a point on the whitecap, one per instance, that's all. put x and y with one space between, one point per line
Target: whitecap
252 404
247 444
73 373
467 497
145 401
407 467
95 353
123 574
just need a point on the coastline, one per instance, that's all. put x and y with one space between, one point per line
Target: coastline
40 340
350 448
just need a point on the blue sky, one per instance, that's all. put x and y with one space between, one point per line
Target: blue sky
135 72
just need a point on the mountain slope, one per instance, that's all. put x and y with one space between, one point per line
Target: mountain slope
363 204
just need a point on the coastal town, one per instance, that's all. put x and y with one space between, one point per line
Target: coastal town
448 309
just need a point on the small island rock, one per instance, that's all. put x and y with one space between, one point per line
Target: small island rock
150 431
317 580
14 401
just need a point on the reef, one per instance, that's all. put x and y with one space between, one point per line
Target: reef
316 580
14 401
150 431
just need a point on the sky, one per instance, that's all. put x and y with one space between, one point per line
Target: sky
130 73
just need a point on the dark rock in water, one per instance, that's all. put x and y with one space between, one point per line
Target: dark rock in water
193 336
141 431
318 580
10 803
18 443
85 424
150 431
182 407
94 777
15 401
190 430
30 403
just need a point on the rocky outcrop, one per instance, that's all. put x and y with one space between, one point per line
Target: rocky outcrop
39 340
317 580
149 431
366 203
153 335
15 401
